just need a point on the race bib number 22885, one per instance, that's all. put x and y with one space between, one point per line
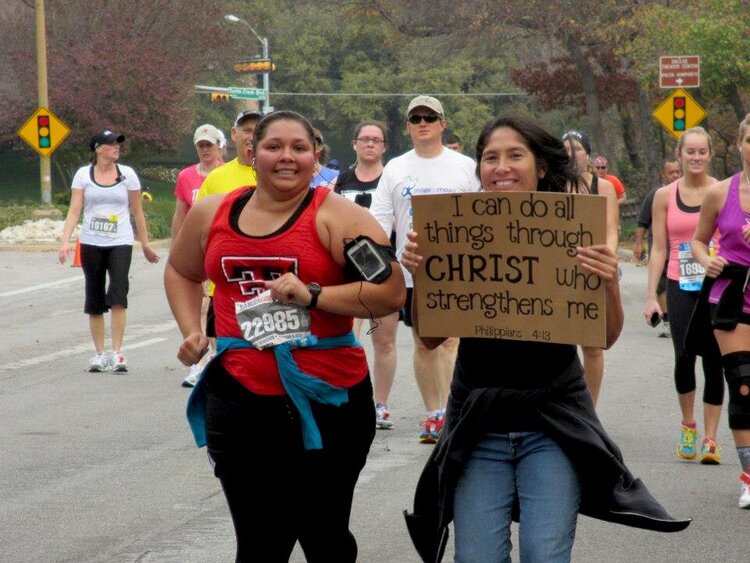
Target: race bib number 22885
266 323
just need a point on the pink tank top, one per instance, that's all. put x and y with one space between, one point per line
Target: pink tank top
681 223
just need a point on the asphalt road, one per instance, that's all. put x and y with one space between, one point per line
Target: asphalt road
101 467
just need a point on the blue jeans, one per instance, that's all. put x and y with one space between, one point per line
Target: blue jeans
527 466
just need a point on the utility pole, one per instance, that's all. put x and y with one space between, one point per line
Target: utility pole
45 167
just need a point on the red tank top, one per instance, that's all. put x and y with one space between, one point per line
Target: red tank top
239 264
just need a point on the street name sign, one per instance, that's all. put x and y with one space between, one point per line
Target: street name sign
247 93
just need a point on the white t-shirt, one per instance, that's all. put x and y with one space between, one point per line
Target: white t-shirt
106 210
410 174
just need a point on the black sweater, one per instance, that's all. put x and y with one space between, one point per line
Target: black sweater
566 414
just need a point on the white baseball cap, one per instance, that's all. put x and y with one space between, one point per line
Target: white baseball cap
207 132
427 102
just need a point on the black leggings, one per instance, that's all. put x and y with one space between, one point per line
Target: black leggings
680 305
278 492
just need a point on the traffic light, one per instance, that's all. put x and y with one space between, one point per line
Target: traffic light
219 97
678 113
42 128
254 66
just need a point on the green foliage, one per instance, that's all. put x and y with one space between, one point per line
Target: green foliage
158 218
716 30
15 214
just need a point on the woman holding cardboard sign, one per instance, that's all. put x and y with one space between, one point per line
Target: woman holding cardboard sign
525 434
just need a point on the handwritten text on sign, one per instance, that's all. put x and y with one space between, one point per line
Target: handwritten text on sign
503 265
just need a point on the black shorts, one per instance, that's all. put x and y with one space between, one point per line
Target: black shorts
662 285
96 262
405 313
210 319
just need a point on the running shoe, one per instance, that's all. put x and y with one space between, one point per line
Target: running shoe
192 377
119 362
431 428
710 452
382 417
98 363
744 501
666 333
686 448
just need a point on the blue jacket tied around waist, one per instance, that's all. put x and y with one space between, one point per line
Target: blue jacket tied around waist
300 386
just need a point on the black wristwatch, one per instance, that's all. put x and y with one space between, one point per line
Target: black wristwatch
314 289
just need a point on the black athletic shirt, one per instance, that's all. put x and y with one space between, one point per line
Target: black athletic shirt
351 187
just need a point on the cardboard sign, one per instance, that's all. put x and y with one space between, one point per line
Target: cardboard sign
503 265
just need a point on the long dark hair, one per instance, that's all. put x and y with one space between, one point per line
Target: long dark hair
262 127
549 152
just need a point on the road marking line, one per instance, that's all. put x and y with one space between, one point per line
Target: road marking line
71 352
35 288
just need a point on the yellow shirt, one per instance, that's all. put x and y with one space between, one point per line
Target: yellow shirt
227 178
222 180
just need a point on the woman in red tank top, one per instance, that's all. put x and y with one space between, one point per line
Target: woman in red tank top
287 443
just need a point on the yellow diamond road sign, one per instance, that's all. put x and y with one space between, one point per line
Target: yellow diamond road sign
679 112
44 132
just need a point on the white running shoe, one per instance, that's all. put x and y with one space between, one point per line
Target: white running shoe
744 501
192 377
119 362
382 417
98 363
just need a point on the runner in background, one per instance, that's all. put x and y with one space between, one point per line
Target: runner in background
670 171
207 141
237 173
370 141
429 168
453 141
601 165
107 193
323 176
675 216
578 148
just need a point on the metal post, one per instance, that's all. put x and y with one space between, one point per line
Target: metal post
45 168
266 55
267 79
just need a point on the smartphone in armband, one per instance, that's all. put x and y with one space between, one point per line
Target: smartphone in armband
367 260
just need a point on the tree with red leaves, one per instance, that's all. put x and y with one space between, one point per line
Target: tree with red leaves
128 66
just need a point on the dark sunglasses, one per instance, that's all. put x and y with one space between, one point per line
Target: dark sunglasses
416 118
601 167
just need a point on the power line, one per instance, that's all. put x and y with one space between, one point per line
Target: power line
401 94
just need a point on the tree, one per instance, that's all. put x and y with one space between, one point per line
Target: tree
129 66
719 32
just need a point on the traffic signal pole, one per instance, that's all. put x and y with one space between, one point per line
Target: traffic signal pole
45 167
267 107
